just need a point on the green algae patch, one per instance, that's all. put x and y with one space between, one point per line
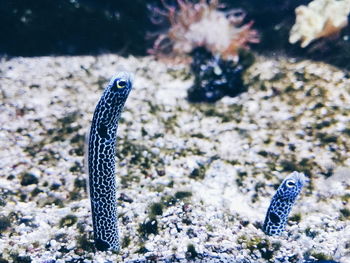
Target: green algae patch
345 213
263 245
125 241
84 243
5 223
295 218
182 194
198 173
191 252
156 209
321 256
68 220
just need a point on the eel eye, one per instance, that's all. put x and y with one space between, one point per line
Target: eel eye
121 84
290 183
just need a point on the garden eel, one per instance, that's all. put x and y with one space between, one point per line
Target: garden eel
282 202
101 142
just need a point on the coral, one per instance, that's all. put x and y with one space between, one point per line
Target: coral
201 24
321 18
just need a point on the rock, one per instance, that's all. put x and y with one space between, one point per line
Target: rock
216 77
28 179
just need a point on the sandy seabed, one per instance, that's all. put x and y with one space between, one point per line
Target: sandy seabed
194 180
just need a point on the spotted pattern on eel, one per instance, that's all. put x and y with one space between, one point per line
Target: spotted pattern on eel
101 161
282 202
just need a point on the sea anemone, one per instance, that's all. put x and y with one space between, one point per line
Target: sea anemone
202 24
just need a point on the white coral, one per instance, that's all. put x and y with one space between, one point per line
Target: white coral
321 18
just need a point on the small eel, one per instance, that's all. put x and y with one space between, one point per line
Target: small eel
101 161
282 202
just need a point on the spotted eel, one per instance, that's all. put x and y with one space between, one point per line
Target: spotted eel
282 202
101 143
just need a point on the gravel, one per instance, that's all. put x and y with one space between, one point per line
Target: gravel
210 170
